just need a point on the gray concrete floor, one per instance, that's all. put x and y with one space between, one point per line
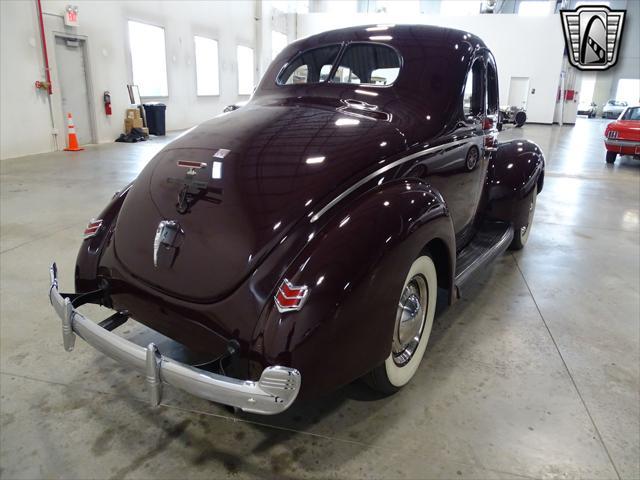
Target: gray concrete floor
535 374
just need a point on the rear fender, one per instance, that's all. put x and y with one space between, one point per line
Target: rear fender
516 171
91 249
354 267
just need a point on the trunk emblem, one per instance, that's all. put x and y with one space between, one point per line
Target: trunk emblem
167 240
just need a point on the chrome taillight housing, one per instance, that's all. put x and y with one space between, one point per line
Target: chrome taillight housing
612 133
93 228
290 298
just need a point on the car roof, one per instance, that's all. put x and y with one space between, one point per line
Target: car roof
391 34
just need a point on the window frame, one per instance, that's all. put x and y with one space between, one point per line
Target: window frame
490 63
195 61
336 64
130 56
483 89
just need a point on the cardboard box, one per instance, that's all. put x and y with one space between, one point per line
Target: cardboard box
145 130
128 125
137 122
133 113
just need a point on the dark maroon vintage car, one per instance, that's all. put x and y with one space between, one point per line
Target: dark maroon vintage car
297 243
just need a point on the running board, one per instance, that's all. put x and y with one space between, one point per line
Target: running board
490 241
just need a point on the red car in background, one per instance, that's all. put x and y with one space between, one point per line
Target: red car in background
623 136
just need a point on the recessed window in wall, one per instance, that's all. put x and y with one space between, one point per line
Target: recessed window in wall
588 3
534 8
148 59
628 90
207 76
245 70
460 7
587 87
278 42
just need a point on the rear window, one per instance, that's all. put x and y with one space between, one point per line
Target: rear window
631 114
312 66
368 64
361 63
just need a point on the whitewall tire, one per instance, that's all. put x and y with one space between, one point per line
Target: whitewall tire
412 328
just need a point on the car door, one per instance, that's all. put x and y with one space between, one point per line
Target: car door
459 172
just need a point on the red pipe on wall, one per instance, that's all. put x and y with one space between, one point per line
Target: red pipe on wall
44 48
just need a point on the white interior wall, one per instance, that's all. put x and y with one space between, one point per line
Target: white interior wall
25 125
510 38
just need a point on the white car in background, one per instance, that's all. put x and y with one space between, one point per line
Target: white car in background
613 108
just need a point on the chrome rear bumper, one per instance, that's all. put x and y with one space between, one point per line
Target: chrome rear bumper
615 142
276 390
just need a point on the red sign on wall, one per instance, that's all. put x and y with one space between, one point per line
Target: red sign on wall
71 16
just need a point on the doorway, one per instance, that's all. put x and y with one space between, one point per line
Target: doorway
519 92
73 83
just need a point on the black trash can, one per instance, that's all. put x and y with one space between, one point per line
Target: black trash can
155 114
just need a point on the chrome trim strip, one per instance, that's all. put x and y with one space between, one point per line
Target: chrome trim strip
621 143
276 390
382 170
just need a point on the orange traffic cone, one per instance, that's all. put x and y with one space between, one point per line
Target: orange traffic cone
73 138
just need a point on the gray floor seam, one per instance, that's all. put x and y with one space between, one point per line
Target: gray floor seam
575 385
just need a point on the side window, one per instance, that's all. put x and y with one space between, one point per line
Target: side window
366 63
312 66
472 99
492 89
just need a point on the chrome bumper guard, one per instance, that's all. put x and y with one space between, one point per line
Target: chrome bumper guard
276 390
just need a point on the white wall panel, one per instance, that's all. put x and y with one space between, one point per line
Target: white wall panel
25 126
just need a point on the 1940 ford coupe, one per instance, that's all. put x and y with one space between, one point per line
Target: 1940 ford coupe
299 241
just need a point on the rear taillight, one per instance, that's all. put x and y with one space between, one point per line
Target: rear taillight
290 297
92 229
612 134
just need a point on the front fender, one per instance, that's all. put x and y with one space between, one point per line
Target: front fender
516 171
355 267
91 249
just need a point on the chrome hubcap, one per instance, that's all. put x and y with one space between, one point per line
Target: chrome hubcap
410 319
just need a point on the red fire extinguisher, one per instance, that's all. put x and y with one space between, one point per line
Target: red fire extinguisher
107 103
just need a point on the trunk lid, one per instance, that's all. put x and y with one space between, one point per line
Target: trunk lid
264 168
